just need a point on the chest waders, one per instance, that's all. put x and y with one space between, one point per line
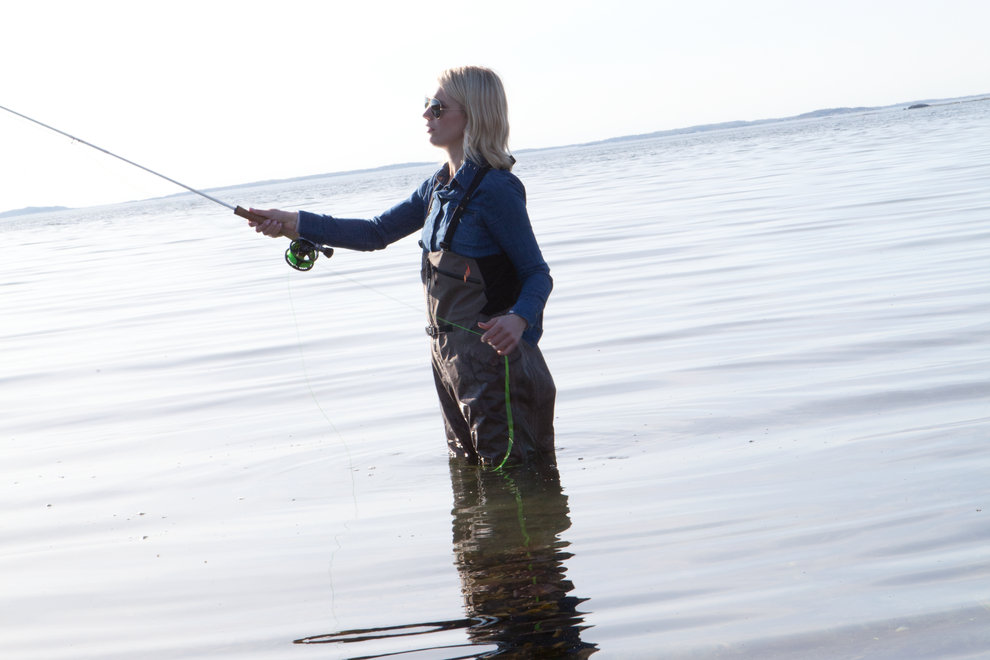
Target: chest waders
496 409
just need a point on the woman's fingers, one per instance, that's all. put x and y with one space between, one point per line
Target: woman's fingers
275 223
503 332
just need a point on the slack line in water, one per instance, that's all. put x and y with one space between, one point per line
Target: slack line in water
244 213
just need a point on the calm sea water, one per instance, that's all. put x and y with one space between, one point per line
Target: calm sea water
771 345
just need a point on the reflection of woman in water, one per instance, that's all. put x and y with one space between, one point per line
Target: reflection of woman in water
510 558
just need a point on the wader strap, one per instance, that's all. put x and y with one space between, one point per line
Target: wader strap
459 211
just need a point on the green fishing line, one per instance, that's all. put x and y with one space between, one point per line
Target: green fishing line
508 415
508 400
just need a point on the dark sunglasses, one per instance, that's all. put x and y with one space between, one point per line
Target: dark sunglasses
435 107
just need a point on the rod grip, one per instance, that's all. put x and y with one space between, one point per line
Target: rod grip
244 213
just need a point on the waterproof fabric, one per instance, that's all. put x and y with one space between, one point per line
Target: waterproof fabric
471 377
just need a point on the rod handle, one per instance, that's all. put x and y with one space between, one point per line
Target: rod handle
244 213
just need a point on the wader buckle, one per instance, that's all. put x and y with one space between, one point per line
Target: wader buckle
437 330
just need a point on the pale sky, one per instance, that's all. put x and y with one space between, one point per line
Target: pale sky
214 93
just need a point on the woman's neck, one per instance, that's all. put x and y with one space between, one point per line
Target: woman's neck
455 158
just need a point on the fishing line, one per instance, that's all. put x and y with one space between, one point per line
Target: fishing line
312 392
347 449
244 213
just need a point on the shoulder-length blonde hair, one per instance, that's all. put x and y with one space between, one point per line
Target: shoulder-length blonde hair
480 92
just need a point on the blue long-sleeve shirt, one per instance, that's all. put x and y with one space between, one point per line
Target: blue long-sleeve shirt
495 221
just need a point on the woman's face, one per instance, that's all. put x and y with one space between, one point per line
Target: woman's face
447 130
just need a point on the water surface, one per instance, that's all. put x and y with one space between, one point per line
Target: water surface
771 350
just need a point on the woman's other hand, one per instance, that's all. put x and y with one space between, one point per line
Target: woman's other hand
503 332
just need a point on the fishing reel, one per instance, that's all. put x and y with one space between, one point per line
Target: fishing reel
302 254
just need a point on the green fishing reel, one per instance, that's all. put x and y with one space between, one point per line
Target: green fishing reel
302 254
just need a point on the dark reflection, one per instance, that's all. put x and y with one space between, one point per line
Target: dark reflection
510 558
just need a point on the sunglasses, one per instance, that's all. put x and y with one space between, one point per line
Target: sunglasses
435 107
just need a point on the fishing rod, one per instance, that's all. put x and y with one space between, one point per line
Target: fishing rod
301 253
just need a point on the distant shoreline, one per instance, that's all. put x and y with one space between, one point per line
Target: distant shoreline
701 128
28 210
815 114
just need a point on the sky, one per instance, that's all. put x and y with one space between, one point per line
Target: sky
216 92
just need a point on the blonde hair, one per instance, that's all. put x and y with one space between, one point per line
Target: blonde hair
479 91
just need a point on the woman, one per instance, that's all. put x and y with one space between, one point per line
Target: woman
486 281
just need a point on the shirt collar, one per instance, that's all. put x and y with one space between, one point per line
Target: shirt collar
463 177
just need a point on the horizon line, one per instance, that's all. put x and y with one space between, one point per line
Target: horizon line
697 128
